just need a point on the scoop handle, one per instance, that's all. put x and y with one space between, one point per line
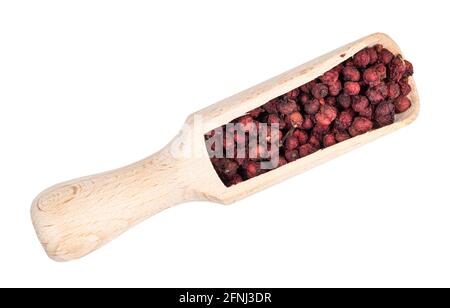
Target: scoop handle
76 217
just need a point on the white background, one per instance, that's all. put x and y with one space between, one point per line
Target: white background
87 86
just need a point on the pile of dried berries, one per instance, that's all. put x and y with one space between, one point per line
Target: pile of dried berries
358 95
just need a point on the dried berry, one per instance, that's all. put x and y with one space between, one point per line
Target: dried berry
402 104
271 106
360 126
409 69
405 88
291 143
378 93
341 136
287 107
397 68
371 77
361 59
373 55
275 119
308 122
344 120
351 88
314 141
255 112
291 155
334 88
326 115
330 77
306 150
344 100
393 89
293 94
312 106
385 56
359 103
295 119
301 135
319 91
351 73
384 114
329 140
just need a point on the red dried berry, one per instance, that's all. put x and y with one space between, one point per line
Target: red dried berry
329 140
330 77
397 68
384 113
307 122
252 169
314 141
255 112
359 103
306 88
351 73
236 179
304 98
326 115
306 150
295 119
373 55
351 88
274 119
405 88
385 56
330 100
271 106
378 93
344 100
312 106
301 135
293 94
393 90
371 77
409 69
361 59
381 70
402 104
367 112
319 91
287 107
291 143
344 120
291 155
360 126
341 136
334 88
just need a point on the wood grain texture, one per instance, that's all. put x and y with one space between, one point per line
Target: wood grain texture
74 218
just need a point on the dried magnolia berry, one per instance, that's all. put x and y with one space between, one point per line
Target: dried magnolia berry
330 77
385 56
306 150
307 122
329 140
301 135
397 68
351 88
360 126
319 91
344 120
326 115
393 89
271 106
359 103
356 96
291 143
287 107
341 136
378 93
314 141
373 55
334 88
344 100
384 113
361 59
402 104
371 77
351 73
291 155
295 119
405 88
312 106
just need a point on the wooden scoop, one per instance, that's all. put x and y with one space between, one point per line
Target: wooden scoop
76 217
